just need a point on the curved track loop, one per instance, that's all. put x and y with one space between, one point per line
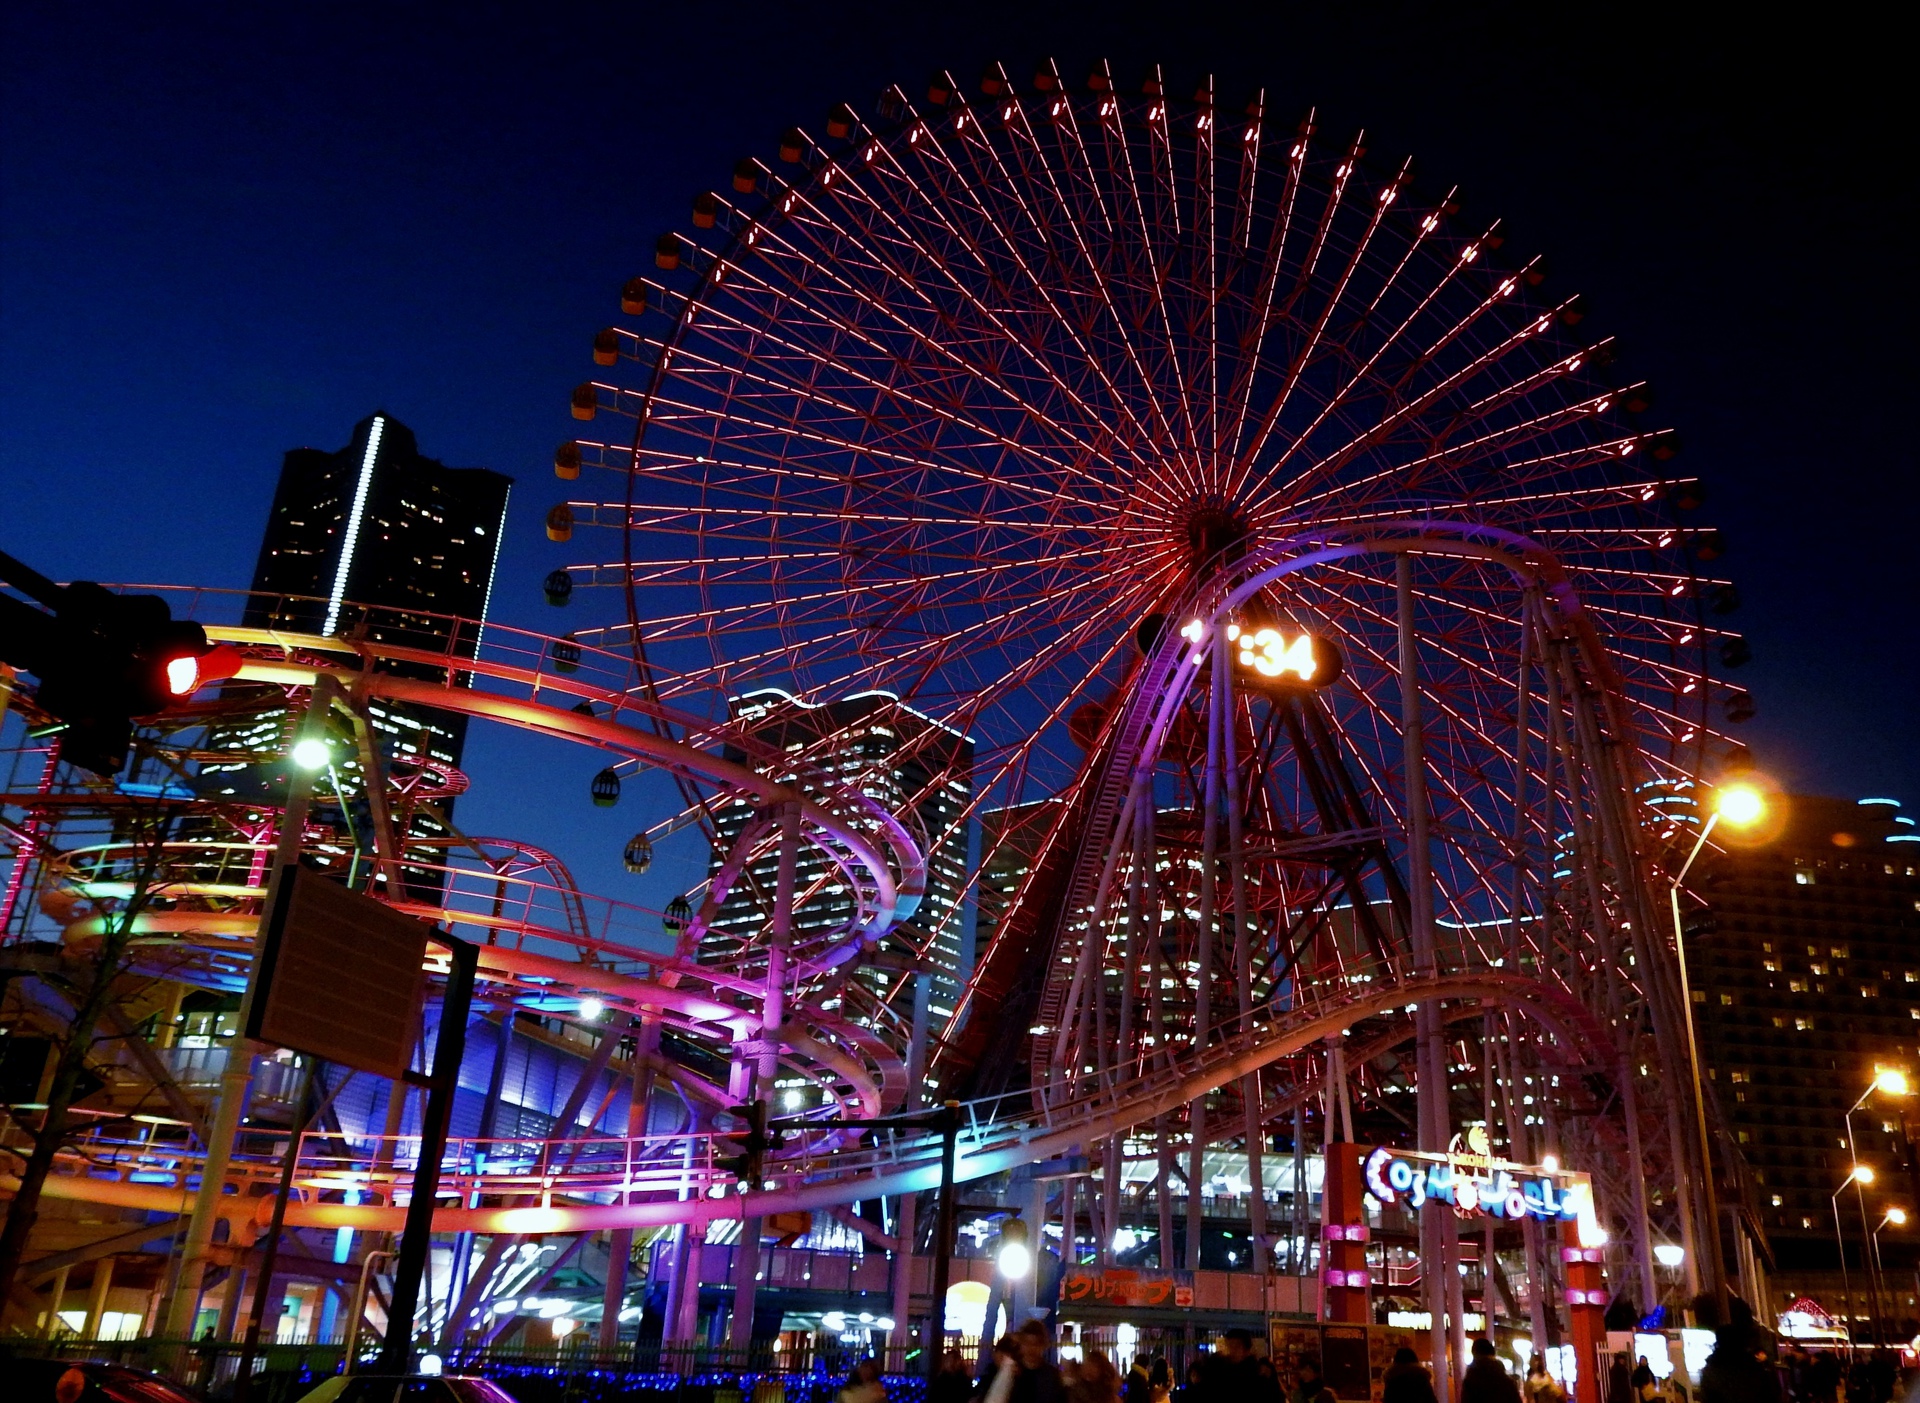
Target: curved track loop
674 1179
544 944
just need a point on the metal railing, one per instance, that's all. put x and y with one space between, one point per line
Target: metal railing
686 1166
803 1369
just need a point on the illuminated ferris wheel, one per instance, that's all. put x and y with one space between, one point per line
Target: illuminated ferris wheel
1027 403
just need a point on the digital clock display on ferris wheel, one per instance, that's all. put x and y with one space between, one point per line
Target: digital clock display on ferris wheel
1276 655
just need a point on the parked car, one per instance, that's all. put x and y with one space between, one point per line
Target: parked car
407 1388
88 1381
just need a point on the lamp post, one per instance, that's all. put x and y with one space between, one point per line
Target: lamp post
1860 1174
1891 1082
1896 1216
1740 805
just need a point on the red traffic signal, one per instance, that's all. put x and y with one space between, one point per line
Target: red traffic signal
103 659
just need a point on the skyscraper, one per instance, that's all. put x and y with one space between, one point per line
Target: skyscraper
913 765
1806 981
379 539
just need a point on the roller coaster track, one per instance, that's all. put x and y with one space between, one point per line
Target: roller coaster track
589 1184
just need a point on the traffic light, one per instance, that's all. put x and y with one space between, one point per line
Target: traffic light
750 1144
102 659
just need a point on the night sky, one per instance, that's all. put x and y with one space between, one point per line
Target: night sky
230 230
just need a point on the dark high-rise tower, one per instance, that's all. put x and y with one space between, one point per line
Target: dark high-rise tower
380 540
1806 985
916 766
379 524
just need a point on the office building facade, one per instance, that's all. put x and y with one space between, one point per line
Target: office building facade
375 540
911 764
1806 982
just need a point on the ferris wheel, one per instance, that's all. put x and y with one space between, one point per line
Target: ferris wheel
950 397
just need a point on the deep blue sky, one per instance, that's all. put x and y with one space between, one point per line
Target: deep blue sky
226 230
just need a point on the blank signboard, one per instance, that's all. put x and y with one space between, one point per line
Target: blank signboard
340 976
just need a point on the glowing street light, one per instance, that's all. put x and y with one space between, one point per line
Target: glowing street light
591 1008
1896 1216
1740 805
1888 1081
1015 1258
1669 1254
311 753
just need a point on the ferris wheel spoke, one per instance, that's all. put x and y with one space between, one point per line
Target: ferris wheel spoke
945 349
1002 335
1423 228
1330 304
1162 434
943 186
808 390
744 430
1077 165
1496 447
1402 412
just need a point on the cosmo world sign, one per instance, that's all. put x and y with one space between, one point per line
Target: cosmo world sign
1473 1183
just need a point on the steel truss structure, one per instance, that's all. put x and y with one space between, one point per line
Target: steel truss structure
982 400
1024 405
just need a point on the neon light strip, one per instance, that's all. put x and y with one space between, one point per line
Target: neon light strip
353 523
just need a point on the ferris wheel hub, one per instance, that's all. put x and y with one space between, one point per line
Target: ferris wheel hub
1214 532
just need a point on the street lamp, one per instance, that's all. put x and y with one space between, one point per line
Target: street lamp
1015 1257
1859 1175
1740 805
1895 1216
1889 1081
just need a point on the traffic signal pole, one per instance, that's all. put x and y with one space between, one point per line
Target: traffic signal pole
416 1241
237 1076
942 1239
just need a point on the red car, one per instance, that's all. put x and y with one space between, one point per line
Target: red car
88 1381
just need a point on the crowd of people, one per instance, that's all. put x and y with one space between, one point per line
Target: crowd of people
1022 1370
1741 1369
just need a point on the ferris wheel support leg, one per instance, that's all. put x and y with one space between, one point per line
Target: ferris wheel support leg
1262 1254
1203 979
1436 1240
1163 1192
237 1076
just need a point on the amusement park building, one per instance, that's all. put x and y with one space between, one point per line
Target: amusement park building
379 524
921 770
1807 980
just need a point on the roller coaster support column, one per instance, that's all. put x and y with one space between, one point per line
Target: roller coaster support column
646 1042
1437 1234
1345 1281
1586 1313
237 1075
767 1052
396 1350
